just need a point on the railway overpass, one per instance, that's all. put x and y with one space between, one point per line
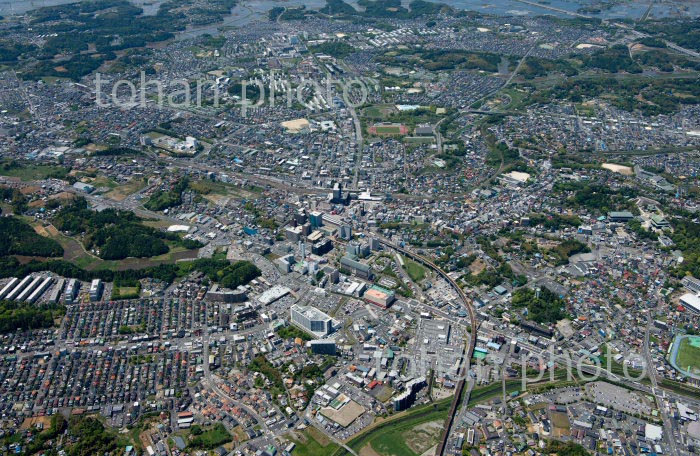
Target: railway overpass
461 394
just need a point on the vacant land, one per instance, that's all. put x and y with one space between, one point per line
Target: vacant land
415 271
311 442
30 172
123 191
388 437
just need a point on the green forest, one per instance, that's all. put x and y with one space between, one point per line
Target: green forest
165 199
545 309
113 233
686 235
22 316
19 238
227 274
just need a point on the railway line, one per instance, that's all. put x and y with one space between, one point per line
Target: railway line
461 394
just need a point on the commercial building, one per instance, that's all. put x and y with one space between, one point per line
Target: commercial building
359 269
223 295
346 232
273 294
316 219
379 296
311 320
96 288
322 247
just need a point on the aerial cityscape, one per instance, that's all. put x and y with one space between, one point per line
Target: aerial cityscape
332 228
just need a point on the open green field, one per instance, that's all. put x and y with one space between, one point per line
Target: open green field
405 434
415 271
379 111
312 442
30 172
689 354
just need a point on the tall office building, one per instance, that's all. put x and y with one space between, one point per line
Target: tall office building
316 219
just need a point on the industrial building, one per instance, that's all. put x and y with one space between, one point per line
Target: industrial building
311 320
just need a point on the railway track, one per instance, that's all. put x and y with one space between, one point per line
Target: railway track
467 350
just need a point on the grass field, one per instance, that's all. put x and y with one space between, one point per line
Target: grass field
689 354
379 111
29 172
415 271
312 442
389 437
123 191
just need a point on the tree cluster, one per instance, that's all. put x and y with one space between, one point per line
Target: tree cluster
18 238
547 308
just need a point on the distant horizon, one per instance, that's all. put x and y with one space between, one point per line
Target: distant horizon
515 8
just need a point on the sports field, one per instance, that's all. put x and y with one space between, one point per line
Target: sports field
688 357
388 129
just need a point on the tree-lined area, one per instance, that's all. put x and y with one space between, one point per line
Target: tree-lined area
547 308
21 316
112 234
19 238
